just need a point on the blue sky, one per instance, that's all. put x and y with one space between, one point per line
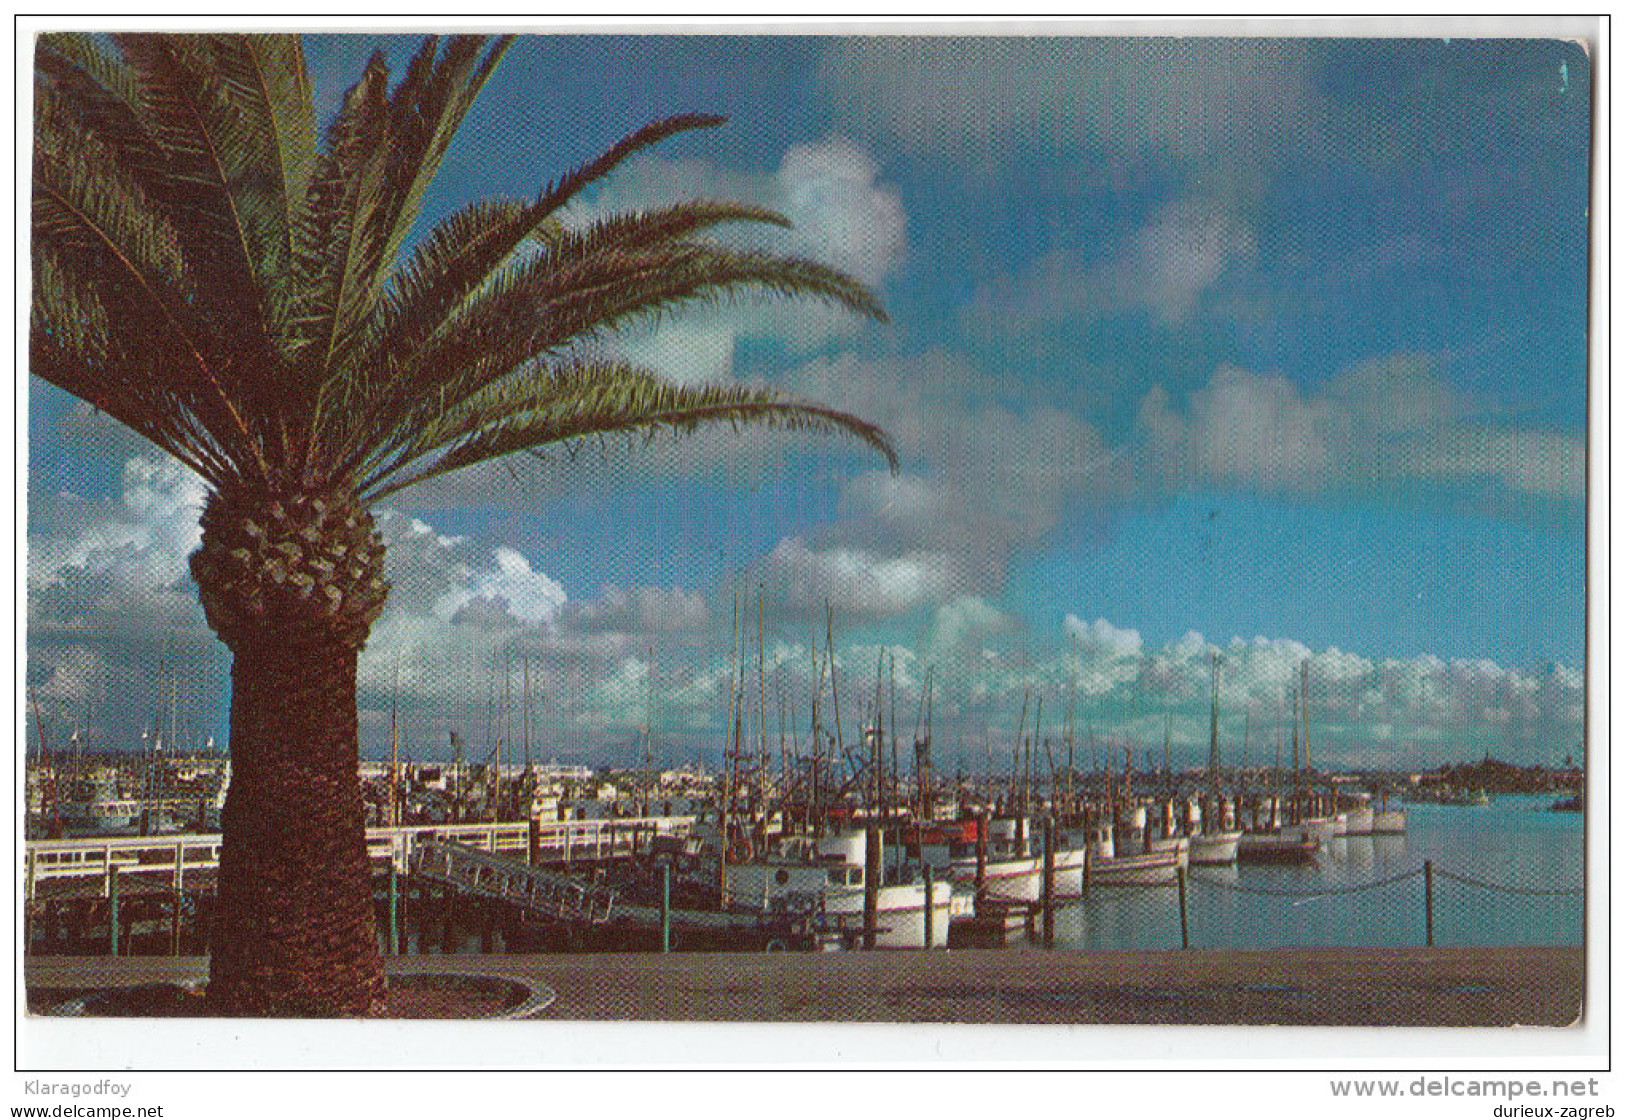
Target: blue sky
1269 347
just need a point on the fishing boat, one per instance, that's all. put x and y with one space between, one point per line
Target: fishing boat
96 807
1287 845
1013 870
1360 817
1325 827
1131 866
826 875
1387 820
1216 845
1169 836
1215 848
100 816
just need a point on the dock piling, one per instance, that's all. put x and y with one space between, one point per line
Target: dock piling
1184 924
1049 882
665 908
112 907
871 884
394 910
1427 875
930 906
981 856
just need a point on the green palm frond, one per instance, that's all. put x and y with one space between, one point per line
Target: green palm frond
380 157
548 303
213 151
461 255
214 277
107 360
330 226
109 247
559 403
365 410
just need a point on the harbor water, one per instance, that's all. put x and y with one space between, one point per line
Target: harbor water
1521 852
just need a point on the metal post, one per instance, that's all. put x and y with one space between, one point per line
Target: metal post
448 933
533 840
1049 882
930 906
175 897
1184 924
871 883
394 909
981 856
112 906
665 908
1427 874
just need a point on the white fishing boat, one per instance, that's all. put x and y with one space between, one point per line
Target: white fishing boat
1213 845
1012 872
1132 866
1361 817
95 806
1014 868
1324 828
1388 819
1168 836
100 816
826 875
1287 845
1215 848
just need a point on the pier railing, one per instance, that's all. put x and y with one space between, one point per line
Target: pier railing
1427 872
168 859
529 888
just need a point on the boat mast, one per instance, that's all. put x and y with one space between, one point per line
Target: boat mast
529 725
922 756
877 751
834 688
1167 740
1303 702
395 747
724 810
1213 733
49 791
817 740
761 697
648 737
1021 732
891 718
1038 725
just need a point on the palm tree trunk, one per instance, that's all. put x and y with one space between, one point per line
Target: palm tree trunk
295 932
292 586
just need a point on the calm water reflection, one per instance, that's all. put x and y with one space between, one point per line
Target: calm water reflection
1515 842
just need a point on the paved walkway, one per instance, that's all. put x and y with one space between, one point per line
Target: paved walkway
1343 987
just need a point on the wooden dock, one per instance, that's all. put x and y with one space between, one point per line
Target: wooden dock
90 863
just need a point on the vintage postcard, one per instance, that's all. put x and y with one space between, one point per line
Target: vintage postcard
951 526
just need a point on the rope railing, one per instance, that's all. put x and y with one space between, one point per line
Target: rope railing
1427 871
1505 888
1319 892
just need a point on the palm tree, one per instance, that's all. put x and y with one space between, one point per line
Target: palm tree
209 274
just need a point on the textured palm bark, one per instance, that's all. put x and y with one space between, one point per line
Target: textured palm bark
294 932
292 585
